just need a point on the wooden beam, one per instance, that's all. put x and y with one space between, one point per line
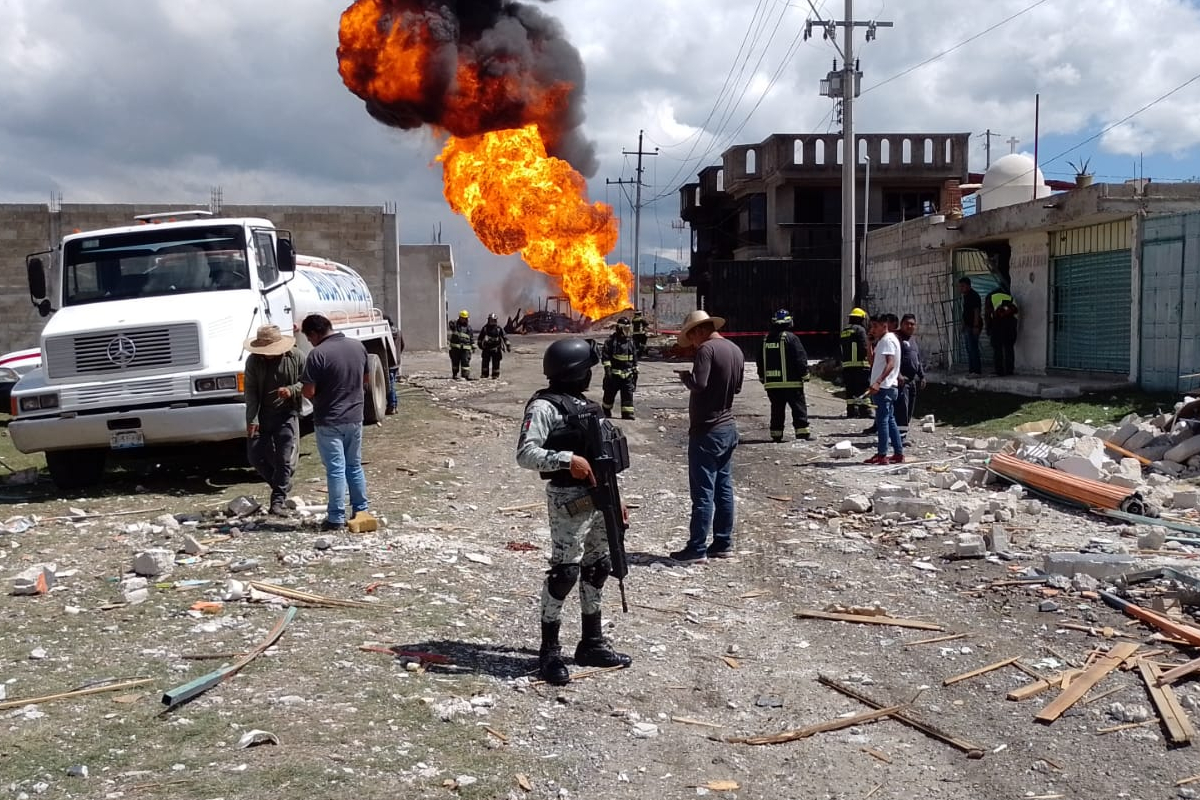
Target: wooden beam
1179 727
864 619
981 671
821 727
1183 670
1044 685
1091 676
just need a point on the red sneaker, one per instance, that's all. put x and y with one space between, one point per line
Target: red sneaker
878 458
896 459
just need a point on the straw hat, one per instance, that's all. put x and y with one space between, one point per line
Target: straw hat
269 341
694 319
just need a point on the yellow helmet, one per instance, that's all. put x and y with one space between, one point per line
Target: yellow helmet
857 312
463 314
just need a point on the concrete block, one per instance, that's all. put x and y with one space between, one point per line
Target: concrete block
1080 466
1122 481
843 449
964 515
970 545
905 506
943 480
960 486
1153 452
856 504
1082 429
1130 468
1153 539
1123 433
1184 499
1099 565
1168 467
1139 440
154 562
1105 432
37 579
1181 452
997 539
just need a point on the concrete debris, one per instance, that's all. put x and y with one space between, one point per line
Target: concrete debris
856 504
135 590
154 562
1098 565
997 539
843 449
970 545
192 547
37 579
1185 499
241 506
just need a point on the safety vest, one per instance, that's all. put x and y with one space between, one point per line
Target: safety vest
619 358
998 299
461 338
854 347
775 369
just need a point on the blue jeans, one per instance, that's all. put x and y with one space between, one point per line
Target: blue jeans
393 376
340 447
710 478
974 360
885 421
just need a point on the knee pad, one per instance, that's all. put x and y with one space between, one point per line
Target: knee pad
560 579
596 573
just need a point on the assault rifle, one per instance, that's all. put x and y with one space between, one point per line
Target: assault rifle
610 455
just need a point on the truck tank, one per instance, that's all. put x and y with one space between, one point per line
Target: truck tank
335 291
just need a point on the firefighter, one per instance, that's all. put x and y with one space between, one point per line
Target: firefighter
619 359
493 343
783 369
640 332
856 366
462 342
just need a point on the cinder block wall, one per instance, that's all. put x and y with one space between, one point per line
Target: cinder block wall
904 277
362 237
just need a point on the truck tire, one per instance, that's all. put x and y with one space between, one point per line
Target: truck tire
375 395
76 469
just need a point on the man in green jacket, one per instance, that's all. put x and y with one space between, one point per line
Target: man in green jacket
273 401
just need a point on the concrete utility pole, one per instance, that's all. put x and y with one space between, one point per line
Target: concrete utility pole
637 217
987 146
844 83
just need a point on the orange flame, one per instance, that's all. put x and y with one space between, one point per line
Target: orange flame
495 166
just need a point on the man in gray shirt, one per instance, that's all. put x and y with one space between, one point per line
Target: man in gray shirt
335 377
715 377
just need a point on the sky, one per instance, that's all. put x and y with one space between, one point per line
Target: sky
162 100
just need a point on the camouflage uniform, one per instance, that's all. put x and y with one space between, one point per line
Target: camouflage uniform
577 533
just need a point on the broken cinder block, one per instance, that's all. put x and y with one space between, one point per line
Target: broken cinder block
38 579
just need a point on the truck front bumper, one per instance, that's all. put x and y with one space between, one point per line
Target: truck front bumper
158 426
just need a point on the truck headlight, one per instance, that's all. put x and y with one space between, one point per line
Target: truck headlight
220 383
9 375
38 401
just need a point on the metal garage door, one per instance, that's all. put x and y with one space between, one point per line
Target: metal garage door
1090 301
1170 309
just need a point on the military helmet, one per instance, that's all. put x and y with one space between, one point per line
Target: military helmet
783 318
570 359
463 314
858 312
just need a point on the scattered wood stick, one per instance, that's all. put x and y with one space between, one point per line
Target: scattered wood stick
1101 696
820 727
1186 781
210 656
525 507
47 698
173 698
588 673
74 517
867 796
937 639
496 733
1124 727
972 750
699 722
307 597
812 613
877 754
1041 685
1091 676
1183 670
1051 762
1092 630
981 671
1179 727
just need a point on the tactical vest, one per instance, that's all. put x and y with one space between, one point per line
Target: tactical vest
492 337
580 434
854 347
775 367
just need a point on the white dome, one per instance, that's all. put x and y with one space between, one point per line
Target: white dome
1010 180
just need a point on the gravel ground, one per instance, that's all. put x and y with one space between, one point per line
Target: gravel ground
718 651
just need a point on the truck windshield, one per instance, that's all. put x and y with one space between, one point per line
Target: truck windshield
154 262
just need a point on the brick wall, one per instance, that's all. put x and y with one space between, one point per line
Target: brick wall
363 237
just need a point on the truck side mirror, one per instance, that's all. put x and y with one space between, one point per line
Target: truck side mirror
35 272
285 255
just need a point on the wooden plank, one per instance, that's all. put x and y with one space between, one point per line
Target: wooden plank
108 687
1183 670
981 671
868 620
821 727
1179 727
172 698
1079 687
951 637
972 750
1044 685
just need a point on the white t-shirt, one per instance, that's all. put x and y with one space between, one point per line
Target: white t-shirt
889 345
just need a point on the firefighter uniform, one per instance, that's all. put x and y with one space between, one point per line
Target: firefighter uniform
493 343
462 342
783 369
641 329
1001 312
856 366
619 359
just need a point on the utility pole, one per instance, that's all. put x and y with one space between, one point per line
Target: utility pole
637 216
844 84
987 146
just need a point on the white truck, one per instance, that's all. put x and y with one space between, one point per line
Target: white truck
144 348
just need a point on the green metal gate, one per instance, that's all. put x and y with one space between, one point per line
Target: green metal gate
1089 308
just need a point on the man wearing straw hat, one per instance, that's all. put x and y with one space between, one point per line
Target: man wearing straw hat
715 377
273 400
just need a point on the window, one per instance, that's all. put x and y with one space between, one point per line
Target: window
751 162
929 151
906 151
885 151
798 151
899 206
264 254
819 157
753 220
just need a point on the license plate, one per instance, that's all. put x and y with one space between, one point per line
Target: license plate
124 440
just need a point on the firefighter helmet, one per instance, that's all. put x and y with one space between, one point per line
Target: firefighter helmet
491 317
783 318
858 312
463 314
570 360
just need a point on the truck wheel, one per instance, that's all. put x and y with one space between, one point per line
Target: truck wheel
375 396
76 469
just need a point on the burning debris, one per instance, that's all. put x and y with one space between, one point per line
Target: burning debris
503 81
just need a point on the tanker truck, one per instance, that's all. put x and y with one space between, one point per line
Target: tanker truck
144 346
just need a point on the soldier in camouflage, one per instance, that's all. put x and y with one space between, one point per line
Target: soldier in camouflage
553 440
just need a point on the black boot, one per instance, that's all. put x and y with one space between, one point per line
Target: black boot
551 668
594 650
